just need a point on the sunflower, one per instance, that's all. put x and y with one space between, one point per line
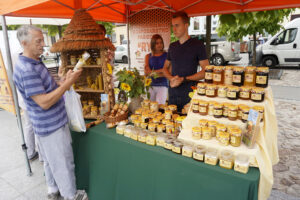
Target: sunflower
148 82
126 87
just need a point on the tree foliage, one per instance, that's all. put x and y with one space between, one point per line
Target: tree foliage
53 29
108 26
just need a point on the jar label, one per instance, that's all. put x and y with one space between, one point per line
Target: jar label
202 109
186 153
168 146
226 164
233 140
210 92
217 77
176 149
245 116
261 79
150 141
195 107
222 93
249 78
151 128
237 78
240 168
142 138
232 113
206 135
218 112
228 74
210 161
256 97
160 143
201 91
134 137
231 94
168 116
225 112
198 156
208 75
245 95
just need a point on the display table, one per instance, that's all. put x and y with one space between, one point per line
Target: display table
111 166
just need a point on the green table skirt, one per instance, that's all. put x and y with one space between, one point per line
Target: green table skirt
112 167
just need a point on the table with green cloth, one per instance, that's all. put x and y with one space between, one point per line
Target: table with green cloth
113 167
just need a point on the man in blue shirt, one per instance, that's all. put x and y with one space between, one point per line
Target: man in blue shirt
182 62
43 99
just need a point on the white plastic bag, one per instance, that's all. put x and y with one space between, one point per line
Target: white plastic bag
74 111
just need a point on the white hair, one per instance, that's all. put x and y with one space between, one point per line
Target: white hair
23 33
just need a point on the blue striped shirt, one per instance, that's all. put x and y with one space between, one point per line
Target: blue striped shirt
31 77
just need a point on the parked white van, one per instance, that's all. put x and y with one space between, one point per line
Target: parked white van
282 49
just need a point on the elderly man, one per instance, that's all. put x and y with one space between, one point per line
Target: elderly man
47 113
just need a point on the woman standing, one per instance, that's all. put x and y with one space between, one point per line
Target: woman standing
154 62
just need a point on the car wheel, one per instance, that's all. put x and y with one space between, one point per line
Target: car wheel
125 59
217 60
269 61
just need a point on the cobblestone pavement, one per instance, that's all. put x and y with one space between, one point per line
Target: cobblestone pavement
287 171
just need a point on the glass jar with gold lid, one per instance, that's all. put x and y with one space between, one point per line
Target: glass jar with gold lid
152 127
218 110
245 112
154 106
235 137
161 128
220 128
196 133
233 92
156 120
240 113
224 138
151 139
262 77
170 128
230 127
211 105
146 103
178 124
195 105
245 92
211 91
168 114
201 87
257 94
173 108
218 75
206 133
203 123
232 112
260 109
138 111
222 91
203 107
134 134
142 136
238 76
225 109
213 125
165 121
209 74
228 75
250 76
144 125
226 159
187 150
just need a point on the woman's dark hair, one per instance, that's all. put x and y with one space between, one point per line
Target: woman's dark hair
153 42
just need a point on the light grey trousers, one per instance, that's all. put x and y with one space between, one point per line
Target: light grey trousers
59 164
29 135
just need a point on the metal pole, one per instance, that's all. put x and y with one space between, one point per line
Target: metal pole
128 41
15 96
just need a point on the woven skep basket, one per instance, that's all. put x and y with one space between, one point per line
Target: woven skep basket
82 33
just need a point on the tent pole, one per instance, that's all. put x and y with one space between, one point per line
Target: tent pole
128 41
15 96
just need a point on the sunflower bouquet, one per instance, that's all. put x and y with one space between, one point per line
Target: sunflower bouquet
133 83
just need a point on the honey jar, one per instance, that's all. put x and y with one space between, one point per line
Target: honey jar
146 104
222 91
262 77
152 127
187 151
218 110
203 107
228 72
240 113
201 87
173 108
230 127
145 117
168 114
233 92
165 121
169 143
199 153
178 124
211 91
84 102
260 109
177 146
154 106
151 139
209 74
120 129
213 126
245 93
160 140
142 136
170 128
91 102
238 76
156 120
73 60
161 128
134 135
232 112
195 105
241 163
224 138
203 123
245 113
144 125
226 159
196 133
250 76
211 156
225 109
138 111
128 131
211 108
257 94
218 75
206 133
220 128
134 117
235 137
